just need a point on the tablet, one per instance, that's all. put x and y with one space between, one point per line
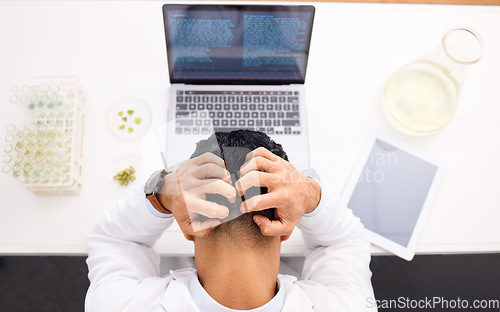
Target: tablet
392 189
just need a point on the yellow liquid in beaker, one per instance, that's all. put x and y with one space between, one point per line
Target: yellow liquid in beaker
421 96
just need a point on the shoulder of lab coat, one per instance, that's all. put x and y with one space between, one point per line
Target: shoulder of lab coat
123 265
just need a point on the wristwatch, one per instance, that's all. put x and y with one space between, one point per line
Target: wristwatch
151 188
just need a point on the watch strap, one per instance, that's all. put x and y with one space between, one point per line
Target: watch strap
152 197
154 201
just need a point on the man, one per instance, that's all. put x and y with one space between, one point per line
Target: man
237 244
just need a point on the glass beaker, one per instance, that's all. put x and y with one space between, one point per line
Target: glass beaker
422 96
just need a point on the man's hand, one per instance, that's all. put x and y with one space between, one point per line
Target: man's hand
183 193
289 191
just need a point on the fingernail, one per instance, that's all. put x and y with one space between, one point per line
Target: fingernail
242 209
258 221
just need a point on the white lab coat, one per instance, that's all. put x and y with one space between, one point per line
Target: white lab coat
124 267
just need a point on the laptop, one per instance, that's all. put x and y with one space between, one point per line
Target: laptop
237 67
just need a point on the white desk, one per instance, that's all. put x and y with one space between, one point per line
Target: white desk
117 49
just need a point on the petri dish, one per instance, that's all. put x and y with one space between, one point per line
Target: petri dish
129 118
121 163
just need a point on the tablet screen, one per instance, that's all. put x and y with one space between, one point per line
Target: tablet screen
391 191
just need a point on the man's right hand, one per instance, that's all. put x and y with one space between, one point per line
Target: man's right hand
184 190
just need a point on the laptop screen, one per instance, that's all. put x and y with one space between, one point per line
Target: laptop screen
237 44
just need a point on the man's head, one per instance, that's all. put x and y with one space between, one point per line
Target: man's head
233 148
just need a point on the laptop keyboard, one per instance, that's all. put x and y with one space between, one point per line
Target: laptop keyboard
203 112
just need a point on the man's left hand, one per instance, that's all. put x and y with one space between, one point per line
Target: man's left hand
289 191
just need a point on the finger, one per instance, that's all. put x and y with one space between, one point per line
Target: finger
209 158
259 203
211 170
258 163
217 186
206 208
261 151
200 187
253 178
273 227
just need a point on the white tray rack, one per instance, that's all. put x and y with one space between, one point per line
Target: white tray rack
45 154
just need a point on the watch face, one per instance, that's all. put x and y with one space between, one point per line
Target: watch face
152 182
